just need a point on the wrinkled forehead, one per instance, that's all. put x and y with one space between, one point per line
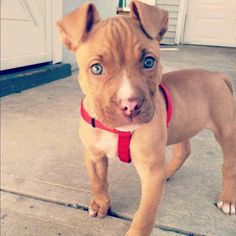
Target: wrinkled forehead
120 38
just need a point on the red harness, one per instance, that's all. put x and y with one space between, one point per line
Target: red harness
124 138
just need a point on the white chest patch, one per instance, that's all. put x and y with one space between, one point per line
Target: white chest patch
128 128
108 143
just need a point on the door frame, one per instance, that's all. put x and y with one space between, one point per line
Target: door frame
181 21
57 7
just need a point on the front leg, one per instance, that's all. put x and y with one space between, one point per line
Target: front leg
97 171
153 180
148 155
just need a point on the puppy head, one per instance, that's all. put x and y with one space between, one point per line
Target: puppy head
118 59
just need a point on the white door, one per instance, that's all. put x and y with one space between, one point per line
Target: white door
211 22
25 32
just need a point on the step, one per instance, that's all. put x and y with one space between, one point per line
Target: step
17 80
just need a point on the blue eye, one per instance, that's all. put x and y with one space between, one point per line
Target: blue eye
149 62
97 69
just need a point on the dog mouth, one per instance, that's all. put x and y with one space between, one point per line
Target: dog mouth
117 119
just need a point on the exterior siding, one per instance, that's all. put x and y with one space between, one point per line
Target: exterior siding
172 6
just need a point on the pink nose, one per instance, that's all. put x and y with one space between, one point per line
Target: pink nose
131 107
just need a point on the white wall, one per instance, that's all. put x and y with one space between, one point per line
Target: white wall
106 8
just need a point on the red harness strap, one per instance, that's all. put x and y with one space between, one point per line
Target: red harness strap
124 138
168 103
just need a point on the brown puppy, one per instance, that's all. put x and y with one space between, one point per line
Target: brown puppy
120 73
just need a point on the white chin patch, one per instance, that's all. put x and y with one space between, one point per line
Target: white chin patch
128 128
125 91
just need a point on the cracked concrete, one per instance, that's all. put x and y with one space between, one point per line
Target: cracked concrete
42 167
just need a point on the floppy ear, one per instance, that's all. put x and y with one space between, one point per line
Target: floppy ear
154 20
75 26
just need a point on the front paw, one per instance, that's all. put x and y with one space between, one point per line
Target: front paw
229 208
99 208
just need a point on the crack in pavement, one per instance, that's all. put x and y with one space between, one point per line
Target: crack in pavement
110 212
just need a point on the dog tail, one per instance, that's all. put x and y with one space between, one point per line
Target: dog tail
227 81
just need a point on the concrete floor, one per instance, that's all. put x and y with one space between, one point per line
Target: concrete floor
44 184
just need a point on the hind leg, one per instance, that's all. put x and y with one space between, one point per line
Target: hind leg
227 140
180 153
